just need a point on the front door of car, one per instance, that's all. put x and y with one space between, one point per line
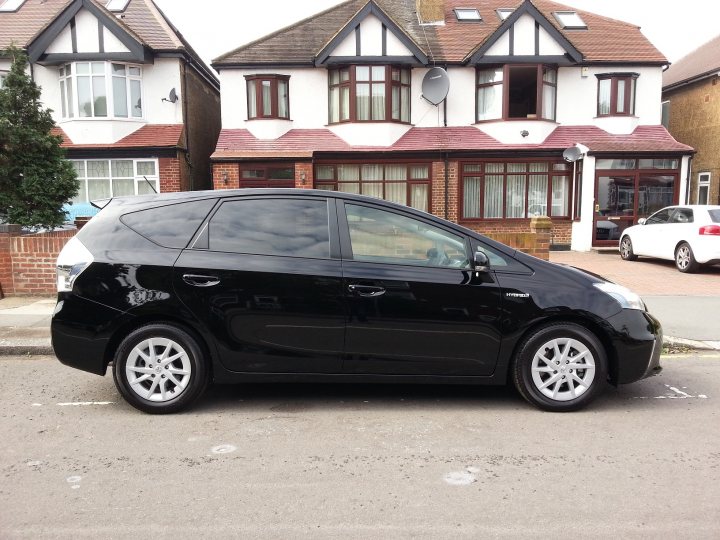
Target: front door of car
649 237
415 305
264 278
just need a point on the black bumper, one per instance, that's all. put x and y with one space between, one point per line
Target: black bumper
637 339
81 331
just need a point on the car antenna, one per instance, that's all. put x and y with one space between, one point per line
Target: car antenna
150 184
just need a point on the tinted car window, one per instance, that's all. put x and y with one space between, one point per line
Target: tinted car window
682 215
663 216
381 236
170 226
288 227
714 215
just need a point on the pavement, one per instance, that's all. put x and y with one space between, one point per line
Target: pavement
686 304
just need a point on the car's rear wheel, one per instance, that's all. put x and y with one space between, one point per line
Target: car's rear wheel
561 367
684 259
160 369
626 249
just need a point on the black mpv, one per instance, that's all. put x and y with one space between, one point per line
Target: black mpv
180 290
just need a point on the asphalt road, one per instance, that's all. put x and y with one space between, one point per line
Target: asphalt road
314 461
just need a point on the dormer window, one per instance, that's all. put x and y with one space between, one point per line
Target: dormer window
569 20
116 5
616 94
504 13
267 97
467 15
11 5
369 94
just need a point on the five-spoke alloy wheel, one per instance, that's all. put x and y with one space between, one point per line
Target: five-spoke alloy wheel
159 369
560 367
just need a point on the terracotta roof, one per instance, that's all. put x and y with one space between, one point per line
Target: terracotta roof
142 19
150 136
241 144
605 40
701 62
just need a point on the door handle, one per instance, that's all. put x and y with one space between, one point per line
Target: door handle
197 280
367 291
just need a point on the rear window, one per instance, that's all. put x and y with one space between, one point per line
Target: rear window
714 215
169 226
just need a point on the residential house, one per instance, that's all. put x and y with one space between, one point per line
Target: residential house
137 108
352 99
691 111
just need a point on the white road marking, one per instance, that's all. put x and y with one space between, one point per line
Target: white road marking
84 403
74 480
223 449
460 478
36 405
676 394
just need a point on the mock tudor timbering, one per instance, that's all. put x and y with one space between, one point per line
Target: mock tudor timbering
523 89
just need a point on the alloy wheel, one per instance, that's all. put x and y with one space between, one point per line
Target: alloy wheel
563 369
158 369
683 257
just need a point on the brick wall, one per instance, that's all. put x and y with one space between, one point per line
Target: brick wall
560 231
27 262
306 170
170 175
226 175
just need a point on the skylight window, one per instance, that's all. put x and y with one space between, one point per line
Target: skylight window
504 13
467 14
10 5
117 5
570 20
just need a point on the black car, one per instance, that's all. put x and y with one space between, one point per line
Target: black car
180 290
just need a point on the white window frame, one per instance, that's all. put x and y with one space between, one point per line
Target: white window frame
703 181
70 107
139 179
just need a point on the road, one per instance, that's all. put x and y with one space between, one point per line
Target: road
358 461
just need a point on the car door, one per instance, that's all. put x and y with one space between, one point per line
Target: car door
264 277
647 239
415 306
681 228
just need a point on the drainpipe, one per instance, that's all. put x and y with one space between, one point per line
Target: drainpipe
447 175
687 181
186 124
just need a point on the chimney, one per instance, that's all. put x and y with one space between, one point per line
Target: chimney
430 11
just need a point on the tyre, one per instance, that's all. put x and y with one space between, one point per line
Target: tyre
626 249
160 369
561 367
685 260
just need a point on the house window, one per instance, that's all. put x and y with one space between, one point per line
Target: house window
101 90
529 92
403 183
515 190
616 94
369 94
268 96
11 5
569 20
665 118
504 13
467 14
267 175
703 194
104 178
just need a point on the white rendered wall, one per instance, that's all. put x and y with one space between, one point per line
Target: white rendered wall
371 41
63 42
371 36
582 231
112 43
86 29
548 45
524 33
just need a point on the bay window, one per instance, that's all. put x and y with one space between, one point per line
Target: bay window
104 178
268 96
516 92
515 190
369 94
403 183
101 90
616 94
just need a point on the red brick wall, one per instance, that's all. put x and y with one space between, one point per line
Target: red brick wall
226 175
27 262
560 232
307 170
169 175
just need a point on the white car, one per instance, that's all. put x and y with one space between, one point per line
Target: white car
688 234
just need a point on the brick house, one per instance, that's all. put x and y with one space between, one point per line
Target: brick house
136 107
691 111
345 100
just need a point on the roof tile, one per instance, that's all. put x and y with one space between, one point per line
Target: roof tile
152 135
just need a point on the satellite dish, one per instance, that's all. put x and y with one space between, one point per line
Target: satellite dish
173 97
572 154
435 85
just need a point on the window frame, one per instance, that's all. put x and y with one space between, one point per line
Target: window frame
138 179
629 103
704 179
540 83
274 80
265 181
551 174
351 85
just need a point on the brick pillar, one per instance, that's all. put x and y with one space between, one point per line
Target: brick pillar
437 179
226 175
169 175
542 227
304 175
7 284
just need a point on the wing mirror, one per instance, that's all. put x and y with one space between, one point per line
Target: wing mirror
481 263
641 221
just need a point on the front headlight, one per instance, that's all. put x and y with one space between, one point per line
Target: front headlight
625 297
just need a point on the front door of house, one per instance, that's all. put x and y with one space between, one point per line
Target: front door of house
615 198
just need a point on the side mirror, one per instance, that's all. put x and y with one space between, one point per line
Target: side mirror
641 221
481 263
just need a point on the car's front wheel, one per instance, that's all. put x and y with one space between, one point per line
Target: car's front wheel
561 367
160 369
685 259
626 249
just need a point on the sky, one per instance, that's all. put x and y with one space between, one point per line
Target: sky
214 27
